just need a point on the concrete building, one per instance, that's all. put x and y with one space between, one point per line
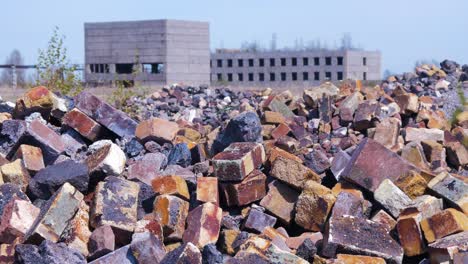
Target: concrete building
155 52
293 68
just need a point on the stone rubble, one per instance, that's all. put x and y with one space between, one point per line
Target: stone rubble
344 173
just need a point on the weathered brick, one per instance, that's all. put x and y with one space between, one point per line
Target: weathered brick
172 184
258 220
148 249
107 158
18 216
276 152
452 189
387 132
372 163
281 130
203 225
384 219
435 154
156 129
114 120
171 212
410 234
442 224
412 184
274 104
238 160
292 172
16 173
31 157
408 103
252 188
83 124
38 99
185 253
101 242
39 135
424 134
147 168
457 154
207 190
349 204
352 259
444 250
271 117
391 197
55 215
313 206
115 203
414 153
280 201
360 236
77 233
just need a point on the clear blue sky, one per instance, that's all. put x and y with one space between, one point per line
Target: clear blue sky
404 30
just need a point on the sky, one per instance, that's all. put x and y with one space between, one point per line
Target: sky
405 31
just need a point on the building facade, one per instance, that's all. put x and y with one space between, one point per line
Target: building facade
293 68
155 52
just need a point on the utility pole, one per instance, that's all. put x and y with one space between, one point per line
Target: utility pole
14 77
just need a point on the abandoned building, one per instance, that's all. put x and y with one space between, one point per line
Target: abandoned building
154 52
292 68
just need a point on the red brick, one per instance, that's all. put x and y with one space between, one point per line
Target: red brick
156 129
83 124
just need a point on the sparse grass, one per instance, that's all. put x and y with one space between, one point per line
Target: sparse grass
462 107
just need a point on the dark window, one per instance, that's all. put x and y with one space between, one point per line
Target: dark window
305 76
316 61
283 76
272 62
240 77
229 63
305 61
219 63
294 61
251 62
283 61
99 68
240 62
294 76
328 61
153 68
229 77
251 77
316 76
261 62
124 68
339 60
328 75
272 76
339 76
364 76
261 77
220 77
211 63
364 61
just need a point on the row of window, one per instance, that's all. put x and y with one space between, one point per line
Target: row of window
127 68
282 62
283 76
99 68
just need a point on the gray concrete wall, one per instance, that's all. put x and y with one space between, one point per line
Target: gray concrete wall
351 67
182 46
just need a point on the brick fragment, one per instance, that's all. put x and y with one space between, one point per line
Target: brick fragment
414 153
281 130
349 204
360 236
115 203
77 233
292 172
410 234
435 154
408 103
16 173
387 132
101 242
171 184
185 253
280 201
156 129
55 215
275 104
452 189
203 225
227 239
83 124
295 242
252 188
148 249
313 206
147 168
257 220
122 255
31 157
442 224
171 212
38 99
271 117
207 190
445 250
18 216
365 115
372 163
412 184
238 160
114 120
457 154
424 134
384 219
107 158
276 152
391 197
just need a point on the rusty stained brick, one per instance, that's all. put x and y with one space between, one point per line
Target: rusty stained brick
38 99
83 124
207 190
293 173
238 160
171 184
446 249
203 225
280 201
171 213
18 216
115 204
252 188
156 129
31 157
452 189
442 224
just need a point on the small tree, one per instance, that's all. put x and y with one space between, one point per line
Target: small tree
15 58
54 69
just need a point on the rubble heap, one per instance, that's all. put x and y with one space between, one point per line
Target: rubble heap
345 174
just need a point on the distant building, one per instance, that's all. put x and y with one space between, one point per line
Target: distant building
292 68
155 52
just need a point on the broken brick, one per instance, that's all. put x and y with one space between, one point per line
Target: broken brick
442 224
172 184
207 190
171 212
444 250
18 216
412 184
238 160
38 99
452 189
107 158
101 242
31 157
16 173
252 188
185 253
280 201
83 124
258 220
203 225
292 172
349 204
156 129
391 197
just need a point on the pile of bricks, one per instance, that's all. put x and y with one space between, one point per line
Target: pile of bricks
344 174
